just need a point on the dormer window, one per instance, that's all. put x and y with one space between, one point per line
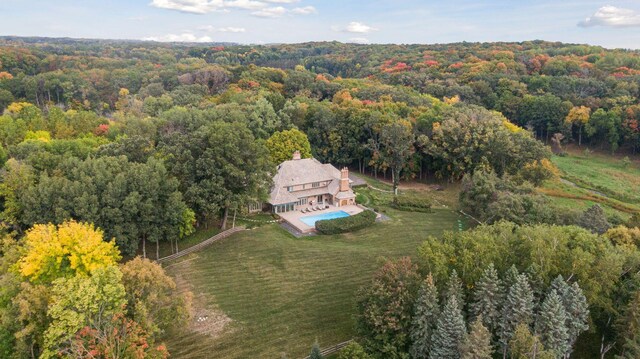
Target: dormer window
290 189
315 185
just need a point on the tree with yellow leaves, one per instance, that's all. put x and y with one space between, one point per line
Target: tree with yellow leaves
63 251
578 116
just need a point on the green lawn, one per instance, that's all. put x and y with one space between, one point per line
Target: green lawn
604 174
283 293
598 178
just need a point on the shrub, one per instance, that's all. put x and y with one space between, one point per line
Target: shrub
537 172
353 351
346 224
360 198
413 204
594 219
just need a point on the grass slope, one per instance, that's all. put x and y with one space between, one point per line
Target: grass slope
283 293
596 178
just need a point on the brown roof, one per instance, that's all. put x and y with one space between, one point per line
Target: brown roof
303 171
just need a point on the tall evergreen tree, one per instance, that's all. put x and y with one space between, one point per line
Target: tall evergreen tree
424 320
450 332
551 324
575 306
510 277
454 288
488 295
517 309
559 285
477 345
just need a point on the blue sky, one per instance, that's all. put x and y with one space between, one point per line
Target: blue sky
607 23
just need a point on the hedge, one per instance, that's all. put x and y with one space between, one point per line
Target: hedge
413 204
346 224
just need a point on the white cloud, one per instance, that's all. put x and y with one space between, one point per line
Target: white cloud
270 12
190 6
279 11
306 10
260 8
612 16
184 37
211 28
359 40
355 27
231 29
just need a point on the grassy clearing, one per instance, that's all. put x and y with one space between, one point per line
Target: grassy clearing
283 293
598 178
600 173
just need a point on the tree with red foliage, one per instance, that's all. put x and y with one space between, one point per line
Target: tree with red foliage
118 338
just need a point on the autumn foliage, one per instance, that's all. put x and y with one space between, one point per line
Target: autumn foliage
69 249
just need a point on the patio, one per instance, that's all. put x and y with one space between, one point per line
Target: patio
293 217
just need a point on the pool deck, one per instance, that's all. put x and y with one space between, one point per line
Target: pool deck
293 218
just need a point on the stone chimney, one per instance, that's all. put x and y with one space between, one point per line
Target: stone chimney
344 180
296 155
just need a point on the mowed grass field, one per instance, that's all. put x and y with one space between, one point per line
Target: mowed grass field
596 178
282 293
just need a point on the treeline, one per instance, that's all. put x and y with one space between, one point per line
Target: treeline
500 290
206 142
537 84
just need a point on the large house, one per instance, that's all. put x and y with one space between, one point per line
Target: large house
301 183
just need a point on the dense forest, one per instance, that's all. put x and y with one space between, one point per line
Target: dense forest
145 143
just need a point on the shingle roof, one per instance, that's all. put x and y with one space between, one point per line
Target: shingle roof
297 172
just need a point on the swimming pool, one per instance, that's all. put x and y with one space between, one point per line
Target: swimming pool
311 220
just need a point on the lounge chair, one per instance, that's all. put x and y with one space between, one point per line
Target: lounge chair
318 208
304 210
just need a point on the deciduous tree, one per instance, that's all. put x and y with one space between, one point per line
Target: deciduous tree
64 251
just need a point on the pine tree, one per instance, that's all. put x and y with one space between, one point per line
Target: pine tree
477 345
454 288
560 286
517 309
510 277
315 352
450 332
424 320
488 296
551 324
575 304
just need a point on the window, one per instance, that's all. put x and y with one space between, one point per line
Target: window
315 185
289 188
302 201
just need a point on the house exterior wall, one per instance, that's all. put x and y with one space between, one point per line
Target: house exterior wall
305 186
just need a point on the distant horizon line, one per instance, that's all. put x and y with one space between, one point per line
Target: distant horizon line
233 43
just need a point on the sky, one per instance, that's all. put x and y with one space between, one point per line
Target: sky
612 24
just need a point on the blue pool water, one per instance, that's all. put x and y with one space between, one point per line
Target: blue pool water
311 220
